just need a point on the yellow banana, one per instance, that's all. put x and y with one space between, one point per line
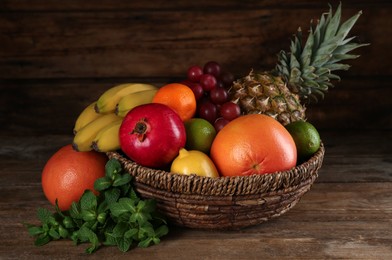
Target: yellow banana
86 116
107 139
84 137
130 101
108 100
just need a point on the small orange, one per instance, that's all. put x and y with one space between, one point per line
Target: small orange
68 173
178 97
253 144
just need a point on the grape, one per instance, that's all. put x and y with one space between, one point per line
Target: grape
220 83
208 111
208 82
197 90
194 73
219 95
220 123
212 68
227 78
230 110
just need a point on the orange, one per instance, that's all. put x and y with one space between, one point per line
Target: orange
68 173
178 97
253 144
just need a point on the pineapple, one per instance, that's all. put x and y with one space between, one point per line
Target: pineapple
302 75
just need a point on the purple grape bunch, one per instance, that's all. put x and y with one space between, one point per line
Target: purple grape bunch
210 85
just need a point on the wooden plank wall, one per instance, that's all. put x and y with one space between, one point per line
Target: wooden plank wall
58 56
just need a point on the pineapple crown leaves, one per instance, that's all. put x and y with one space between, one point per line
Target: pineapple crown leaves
308 67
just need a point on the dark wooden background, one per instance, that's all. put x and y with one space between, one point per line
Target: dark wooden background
58 56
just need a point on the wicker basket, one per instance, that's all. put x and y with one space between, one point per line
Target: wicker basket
224 202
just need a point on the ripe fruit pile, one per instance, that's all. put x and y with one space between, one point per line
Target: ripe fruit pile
97 126
168 133
212 124
153 135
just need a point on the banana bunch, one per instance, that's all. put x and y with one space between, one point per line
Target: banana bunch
97 126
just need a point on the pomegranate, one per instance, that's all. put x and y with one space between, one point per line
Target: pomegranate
152 135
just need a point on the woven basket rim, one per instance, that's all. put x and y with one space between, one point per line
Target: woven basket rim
224 186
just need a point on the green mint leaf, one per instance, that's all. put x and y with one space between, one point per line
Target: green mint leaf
148 205
89 215
88 201
140 218
75 237
156 240
122 180
54 234
134 196
127 203
103 206
53 222
35 230
124 205
146 230
112 195
44 215
102 183
161 231
85 234
101 218
63 232
45 227
141 206
120 229
43 239
68 223
131 233
113 168
123 243
57 209
125 190
92 249
110 240
75 211
145 242
142 214
117 209
92 225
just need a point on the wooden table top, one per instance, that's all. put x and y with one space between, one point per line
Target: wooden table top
346 214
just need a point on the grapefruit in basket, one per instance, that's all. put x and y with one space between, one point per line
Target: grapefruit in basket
253 144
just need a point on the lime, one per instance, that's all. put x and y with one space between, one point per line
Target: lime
199 135
306 138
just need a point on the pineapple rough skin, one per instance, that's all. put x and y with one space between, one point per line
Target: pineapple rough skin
267 94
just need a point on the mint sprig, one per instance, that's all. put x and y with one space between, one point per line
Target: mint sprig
115 217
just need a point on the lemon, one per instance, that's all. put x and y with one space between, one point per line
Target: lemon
199 135
306 138
194 162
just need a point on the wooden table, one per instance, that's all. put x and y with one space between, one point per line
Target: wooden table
346 214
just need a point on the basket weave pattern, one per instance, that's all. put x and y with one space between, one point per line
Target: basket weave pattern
224 202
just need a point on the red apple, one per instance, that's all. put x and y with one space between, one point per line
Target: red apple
152 135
